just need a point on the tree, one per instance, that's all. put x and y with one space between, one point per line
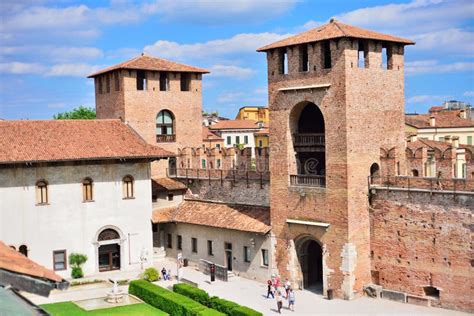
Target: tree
79 113
76 260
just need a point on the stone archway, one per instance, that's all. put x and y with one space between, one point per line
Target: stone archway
310 257
109 245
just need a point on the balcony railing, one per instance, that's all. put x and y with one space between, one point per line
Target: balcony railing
309 139
308 180
165 138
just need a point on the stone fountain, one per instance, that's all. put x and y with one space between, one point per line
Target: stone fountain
115 295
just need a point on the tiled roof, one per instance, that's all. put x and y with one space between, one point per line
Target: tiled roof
208 135
435 109
14 261
420 143
331 30
69 140
163 214
442 119
248 218
263 131
234 124
168 184
145 62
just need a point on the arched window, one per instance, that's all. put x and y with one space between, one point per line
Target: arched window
108 234
128 187
165 129
42 192
414 173
374 171
23 250
87 189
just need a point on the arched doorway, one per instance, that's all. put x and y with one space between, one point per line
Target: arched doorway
109 250
310 256
374 172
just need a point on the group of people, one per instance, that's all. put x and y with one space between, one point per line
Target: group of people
166 275
273 290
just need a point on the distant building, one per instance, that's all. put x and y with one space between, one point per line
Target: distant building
262 138
256 113
210 139
211 119
77 186
441 125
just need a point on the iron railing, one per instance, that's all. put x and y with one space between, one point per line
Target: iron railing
165 138
308 180
309 139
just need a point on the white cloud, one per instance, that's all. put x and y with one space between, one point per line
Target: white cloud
469 94
453 40
229 97
53 53
433 66
58 105
231 71
21 68
72 70
240 43
427 98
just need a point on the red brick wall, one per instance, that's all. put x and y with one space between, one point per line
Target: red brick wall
425 240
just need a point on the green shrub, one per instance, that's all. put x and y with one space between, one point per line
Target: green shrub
173 303
77 273
151 275
222 305
192 292
244 311
76 260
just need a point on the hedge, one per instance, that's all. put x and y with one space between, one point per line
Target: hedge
216 303
173 303
192 292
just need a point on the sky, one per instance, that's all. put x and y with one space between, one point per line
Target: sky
47 48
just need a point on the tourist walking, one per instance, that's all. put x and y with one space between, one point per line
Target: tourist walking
279 301
163 272
287 287
291 299
270 289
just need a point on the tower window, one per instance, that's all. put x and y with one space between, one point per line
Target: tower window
389 56
326 53
117 81
304 62
107 83
42 192
164 81
283 61
127 183
362 55
99 83
185 82
141 80
165 127
87 189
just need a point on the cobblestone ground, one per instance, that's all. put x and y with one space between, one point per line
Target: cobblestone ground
253 294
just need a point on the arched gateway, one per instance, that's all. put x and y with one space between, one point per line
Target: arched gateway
109 250
310 257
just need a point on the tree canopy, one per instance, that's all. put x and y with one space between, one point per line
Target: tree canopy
79 113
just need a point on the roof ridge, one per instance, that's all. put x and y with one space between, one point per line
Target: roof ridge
336 23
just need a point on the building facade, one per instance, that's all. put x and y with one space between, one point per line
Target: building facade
86 191
255 113
327 88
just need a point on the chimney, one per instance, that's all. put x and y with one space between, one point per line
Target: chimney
462 114
432 121
413 138
448 139
456 141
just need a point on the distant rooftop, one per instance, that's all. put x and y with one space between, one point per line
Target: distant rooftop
145 62
332 30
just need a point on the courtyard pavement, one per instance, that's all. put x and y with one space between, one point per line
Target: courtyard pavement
253 294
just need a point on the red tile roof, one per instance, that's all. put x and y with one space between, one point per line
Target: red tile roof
442 119
234 124
420 143
435 109
263 131
14 261
208 135
144 62
168 184
69 140
163 214
331 30
248 218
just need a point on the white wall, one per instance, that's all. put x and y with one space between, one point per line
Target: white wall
241 134
69 223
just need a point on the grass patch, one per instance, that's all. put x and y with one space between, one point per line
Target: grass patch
71 309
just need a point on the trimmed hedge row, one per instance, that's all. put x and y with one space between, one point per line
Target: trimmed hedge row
170 302
222 305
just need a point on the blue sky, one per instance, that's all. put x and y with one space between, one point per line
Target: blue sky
47 48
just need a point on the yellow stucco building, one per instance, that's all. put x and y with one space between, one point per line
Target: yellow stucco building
256 113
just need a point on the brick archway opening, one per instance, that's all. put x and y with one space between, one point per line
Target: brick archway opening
310 257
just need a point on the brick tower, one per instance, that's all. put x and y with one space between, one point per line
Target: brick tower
336 97
160 99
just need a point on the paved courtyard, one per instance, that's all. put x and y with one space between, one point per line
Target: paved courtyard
253 294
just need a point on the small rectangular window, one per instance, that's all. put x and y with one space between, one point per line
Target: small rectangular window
59 260
326 54
246 139
469 140
246 254
283 61
179 242
185 82
154 228
41 192
384 64
99 82
362 55
117 81
265 257
170 197
164 81
229 140
237 140
141 80
441 139
210 250
218 163
218 146
107 82
304 61
169 241
203 163
260 143
194 245
389 52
